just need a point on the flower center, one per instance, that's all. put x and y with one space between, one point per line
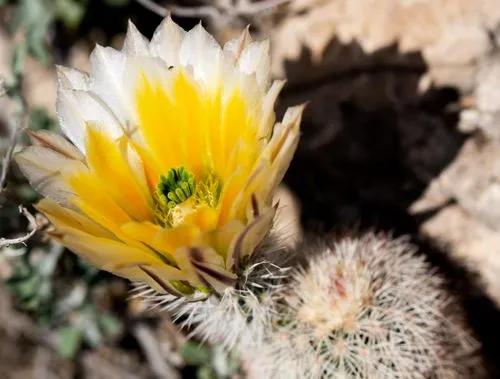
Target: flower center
176 186
179 194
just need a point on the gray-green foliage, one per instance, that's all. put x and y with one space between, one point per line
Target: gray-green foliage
31 281
211 362
64 306
89 325
36 19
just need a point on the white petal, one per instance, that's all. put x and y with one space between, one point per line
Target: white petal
202 53
268 115
71 78
43 167
107 72
55 142
76 108
283 145
135 43
154 70
256 59
235 47
166 42
107 254
277 155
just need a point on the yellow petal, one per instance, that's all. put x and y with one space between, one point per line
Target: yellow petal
172 239
148 233
220 239
93 201
61 217
110 255
167 111
112 172
203 217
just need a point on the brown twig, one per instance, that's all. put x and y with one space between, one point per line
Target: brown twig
33 227
3 90
215 11
8 157
153 7
20 126
248 8
152 350
195 12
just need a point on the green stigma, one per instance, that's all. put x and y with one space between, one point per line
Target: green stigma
176 186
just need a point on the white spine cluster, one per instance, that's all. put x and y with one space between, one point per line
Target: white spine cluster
363 308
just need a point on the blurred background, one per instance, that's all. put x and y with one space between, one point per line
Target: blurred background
401 134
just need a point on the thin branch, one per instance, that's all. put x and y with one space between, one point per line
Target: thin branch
3 90
8 157
174 340
152 350
153 7
195 12
247 8
32 229
242 8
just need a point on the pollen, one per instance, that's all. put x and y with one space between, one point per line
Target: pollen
208 191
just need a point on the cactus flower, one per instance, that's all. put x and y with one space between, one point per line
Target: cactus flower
171 159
